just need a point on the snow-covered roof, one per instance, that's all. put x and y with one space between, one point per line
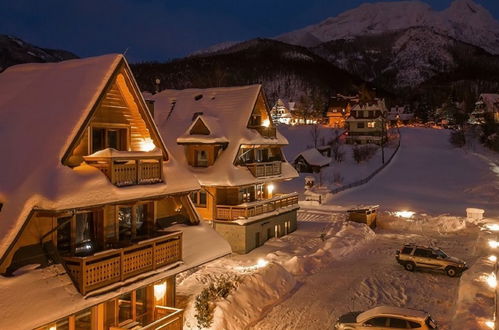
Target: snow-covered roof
390 311
378 104
42 107
314 158
490 100
51 295
212 124
230 108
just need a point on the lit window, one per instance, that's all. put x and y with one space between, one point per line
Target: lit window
371 124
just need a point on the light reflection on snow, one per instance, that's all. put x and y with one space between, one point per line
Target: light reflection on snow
404 214
492 226
259 264
490 324
493 258
493 244
491 280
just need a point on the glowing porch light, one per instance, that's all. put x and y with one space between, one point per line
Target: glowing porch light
493 258
270 188
266 123
493 244
261 263
490 324
492 280
53 327
404 214
159 291
147 145
493 227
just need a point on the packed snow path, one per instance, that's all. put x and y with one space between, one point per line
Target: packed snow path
429 175
368 278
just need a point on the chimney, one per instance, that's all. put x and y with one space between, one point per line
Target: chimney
150 106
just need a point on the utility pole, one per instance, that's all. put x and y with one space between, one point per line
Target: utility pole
382 138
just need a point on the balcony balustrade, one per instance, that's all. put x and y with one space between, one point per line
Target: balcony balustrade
116 265
260 170
246 210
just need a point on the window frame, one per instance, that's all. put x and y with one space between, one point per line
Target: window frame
109 127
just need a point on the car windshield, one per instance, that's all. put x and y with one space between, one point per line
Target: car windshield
440 253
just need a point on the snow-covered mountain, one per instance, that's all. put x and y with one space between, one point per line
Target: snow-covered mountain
464 20
16 51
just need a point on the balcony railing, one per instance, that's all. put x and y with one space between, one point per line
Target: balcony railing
165 318
128 168
268 132
260 170
244 211
112 266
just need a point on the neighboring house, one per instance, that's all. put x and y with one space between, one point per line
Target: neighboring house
367 122
487 105
310 161
81 250
400 114
339 110
280 114
225 136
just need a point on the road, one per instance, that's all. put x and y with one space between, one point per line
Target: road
428 175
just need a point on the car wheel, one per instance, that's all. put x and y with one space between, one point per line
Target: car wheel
409 266
451 271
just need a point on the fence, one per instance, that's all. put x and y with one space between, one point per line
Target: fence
372 175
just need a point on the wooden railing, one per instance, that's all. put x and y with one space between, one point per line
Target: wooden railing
268 132
165 318
108 267
126 171
244 211
265 169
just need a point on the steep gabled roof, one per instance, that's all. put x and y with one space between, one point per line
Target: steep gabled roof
230 108
314 158
212 125
42 110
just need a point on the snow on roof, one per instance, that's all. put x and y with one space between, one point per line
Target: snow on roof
490 100
51 295
378 104
212 124
230 108
42 106
314 157
389 311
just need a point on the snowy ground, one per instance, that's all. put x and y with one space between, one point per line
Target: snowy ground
338 173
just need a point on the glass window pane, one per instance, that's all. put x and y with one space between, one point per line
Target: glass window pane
377 321
97 139
84 240
64 235
202 198
125 307
398 323
141 218
83 320
125 222
141 305
113 139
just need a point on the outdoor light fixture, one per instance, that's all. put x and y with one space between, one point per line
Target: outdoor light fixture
147 145
404 214
493 244
159 290
492 281
270 188
490 324
493 258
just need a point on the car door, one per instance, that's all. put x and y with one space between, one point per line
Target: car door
422 257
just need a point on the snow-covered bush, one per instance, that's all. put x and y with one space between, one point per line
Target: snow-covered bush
219 288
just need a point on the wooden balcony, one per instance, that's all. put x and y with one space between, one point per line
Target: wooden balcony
244 211
165 318
260 170
268 132
116 265
128 168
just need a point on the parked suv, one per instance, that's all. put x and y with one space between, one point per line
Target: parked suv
413 256
385 317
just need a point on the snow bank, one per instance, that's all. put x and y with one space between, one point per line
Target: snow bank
421 223
475 302
256 292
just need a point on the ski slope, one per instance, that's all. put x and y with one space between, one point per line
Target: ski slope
429 176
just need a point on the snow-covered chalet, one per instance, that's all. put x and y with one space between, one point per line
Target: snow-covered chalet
227 139
367 122
95 215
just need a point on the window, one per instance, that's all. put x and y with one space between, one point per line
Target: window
125 223
407 250
423 253
377 321
103 137
260 192
371 124
360 125
201 158
84 239
83 320
398 323
413 325
76 235
64 235
262 155
255 120
199 198
246 194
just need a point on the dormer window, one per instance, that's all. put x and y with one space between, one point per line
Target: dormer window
109 137
201 158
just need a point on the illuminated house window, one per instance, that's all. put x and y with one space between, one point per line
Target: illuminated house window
199 198
371 124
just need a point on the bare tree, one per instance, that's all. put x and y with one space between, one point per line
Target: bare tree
315 134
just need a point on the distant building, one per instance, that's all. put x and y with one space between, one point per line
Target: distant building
401 114
280 113
310 161
339 110
487 105
367 122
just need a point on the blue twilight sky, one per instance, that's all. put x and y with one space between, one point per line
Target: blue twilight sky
163 29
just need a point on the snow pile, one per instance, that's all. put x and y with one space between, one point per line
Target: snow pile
475 302
336 244
256 292
421 223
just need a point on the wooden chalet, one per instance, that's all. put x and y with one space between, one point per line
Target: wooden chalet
96 218
227 139
311 161
367 123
